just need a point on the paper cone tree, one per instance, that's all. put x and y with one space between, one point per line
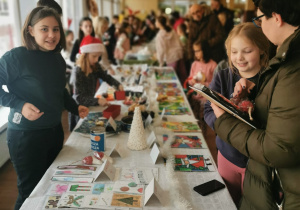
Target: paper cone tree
137 140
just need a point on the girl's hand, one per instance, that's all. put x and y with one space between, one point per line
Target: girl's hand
30 112
83 111
103 102
121 88
242 88
217 110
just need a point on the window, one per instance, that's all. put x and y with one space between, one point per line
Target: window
4 8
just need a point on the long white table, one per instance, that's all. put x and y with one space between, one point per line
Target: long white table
78 146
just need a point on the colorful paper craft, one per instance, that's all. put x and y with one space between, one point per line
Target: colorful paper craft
173 108
190 163
52 202
71 200
188 142
58 189
72 179
73 172
90 122
165 74
138 175
181 126
126 200
128 187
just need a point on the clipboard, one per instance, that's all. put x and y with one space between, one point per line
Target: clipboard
225 104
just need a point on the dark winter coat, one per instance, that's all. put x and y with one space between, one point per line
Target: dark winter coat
274 148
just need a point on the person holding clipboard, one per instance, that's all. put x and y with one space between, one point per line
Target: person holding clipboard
273 170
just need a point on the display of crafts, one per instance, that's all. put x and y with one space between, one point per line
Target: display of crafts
165 74
96 119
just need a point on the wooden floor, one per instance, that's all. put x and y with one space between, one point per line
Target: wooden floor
8 177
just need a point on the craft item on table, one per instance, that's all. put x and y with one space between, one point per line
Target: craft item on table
128 187
165 74
79 187
72 179
154 153
100 188
97 201
108 170
127 200
117 148
151 139
105 91
73 172
97 136
187 141
137 140
71 200
173 108
153 189
91 160
120 95
112 111
190 163
102 157
91 201
170 99
92 121
181 126
58 189
52 202
78 167
138 175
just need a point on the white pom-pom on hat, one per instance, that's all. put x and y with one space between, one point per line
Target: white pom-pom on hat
90 44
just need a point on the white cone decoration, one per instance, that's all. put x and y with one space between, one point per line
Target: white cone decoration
137 140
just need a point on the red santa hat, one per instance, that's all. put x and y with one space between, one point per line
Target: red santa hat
90 44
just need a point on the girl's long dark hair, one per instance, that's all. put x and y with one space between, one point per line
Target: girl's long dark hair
81 34
163 21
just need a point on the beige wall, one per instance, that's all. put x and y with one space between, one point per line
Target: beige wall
145 6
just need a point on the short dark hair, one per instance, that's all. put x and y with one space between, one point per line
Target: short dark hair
34 17
50 3
205 49
288 9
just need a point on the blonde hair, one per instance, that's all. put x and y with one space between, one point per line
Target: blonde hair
255 35
98 23
84 63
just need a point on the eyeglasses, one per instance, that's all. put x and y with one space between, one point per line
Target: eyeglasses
257 21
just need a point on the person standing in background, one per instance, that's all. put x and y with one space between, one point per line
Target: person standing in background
85 29
169 49
204 25
101 26
224 14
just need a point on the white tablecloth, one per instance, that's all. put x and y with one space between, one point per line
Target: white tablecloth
78 146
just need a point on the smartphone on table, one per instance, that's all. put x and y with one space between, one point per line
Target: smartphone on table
209 187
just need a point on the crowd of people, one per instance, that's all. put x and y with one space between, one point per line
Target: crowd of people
259 166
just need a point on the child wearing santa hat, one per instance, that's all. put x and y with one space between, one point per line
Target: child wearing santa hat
87 72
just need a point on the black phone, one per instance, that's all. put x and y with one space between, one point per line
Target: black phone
209 187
